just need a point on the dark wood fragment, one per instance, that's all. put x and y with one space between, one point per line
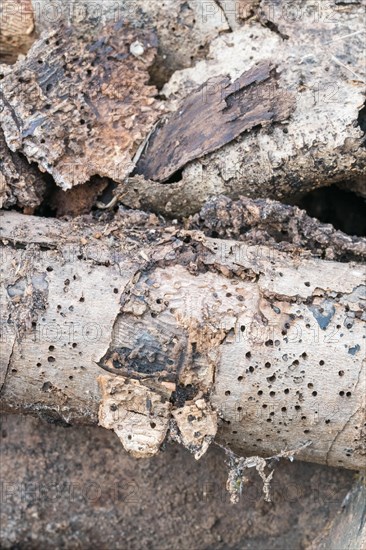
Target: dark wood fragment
215 114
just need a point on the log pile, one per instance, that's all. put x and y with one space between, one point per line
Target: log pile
177 297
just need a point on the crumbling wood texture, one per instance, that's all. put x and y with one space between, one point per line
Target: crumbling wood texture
190 333
80 106
319 55
318 59
17 29
20 183
211 117
184 28
272 223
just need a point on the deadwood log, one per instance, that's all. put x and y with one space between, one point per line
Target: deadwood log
163 331
317 53
318 59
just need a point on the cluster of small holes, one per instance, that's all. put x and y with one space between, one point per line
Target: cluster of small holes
286 410
347 394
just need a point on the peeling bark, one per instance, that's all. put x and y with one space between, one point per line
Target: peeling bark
81 106
270 343
319 64
321 143
213 116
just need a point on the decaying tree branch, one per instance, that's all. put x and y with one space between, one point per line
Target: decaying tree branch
322 141
187 335
268 222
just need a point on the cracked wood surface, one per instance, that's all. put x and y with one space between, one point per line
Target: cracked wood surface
269 344
322 142
212 116
80 106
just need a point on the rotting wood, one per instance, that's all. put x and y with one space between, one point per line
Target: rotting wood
322 142
20 184
264 221
16 30
80 106
212 116
184 29
272 344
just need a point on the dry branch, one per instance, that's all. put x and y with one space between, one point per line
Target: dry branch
268 222
194 331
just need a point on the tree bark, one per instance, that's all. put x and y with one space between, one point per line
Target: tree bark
318 55
187 335
348 528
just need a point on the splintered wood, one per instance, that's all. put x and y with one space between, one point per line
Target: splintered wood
138 415
79 106
215 114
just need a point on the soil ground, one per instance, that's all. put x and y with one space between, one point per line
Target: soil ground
76 488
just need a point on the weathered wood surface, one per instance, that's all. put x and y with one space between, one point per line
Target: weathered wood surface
266 345
20 184
212 116
347 531
17 29
184 29
80 106
272 223
321 62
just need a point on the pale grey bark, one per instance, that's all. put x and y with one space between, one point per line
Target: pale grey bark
269 345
